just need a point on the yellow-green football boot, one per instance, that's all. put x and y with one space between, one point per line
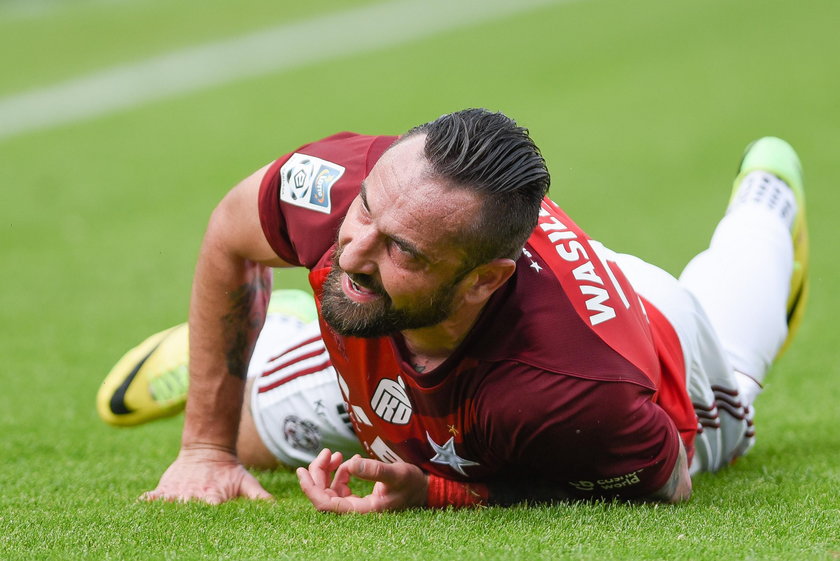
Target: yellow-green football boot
151 380
777 157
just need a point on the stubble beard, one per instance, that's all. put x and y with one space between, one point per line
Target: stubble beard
379 318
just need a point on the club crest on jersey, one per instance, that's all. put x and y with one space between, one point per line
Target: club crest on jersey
390 401
305 181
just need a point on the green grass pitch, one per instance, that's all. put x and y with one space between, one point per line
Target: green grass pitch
642 110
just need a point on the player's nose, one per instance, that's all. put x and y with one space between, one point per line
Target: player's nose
359 247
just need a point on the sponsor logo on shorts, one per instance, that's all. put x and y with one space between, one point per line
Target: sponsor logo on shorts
302 434
607 484
390 401
305 181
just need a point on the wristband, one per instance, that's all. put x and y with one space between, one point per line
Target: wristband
445 492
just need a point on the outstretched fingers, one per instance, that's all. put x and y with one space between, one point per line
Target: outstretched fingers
210 478
208 496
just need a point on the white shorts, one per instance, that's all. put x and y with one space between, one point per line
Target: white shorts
295 401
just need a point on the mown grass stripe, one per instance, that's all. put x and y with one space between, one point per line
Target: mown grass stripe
280 48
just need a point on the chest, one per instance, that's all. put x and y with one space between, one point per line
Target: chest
398 419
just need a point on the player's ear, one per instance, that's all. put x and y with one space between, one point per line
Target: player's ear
485 279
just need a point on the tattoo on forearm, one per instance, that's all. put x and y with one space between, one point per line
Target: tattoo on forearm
242 323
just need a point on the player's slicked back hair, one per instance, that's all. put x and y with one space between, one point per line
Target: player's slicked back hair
490 154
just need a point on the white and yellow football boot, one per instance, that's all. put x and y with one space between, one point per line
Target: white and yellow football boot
151 380
777 157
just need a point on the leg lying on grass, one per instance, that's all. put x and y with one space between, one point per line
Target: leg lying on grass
150 382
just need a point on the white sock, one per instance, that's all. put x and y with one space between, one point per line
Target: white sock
743 279
761 189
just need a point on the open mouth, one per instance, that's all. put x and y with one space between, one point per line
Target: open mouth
357 292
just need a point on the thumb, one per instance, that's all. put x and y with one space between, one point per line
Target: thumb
373 470
251 489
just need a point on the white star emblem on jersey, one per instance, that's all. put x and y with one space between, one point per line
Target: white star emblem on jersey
446 455
536 266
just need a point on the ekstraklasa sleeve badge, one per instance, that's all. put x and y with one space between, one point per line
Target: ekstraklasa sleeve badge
305 181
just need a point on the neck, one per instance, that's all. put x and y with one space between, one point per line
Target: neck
430 346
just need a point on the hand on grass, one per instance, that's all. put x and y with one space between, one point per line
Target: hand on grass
206 474
398 486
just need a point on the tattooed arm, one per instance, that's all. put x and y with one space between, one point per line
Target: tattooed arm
230 293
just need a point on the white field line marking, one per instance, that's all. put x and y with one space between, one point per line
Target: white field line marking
288 46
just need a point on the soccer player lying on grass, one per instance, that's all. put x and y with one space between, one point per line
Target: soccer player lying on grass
472 342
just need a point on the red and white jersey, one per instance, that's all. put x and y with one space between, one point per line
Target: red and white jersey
567 377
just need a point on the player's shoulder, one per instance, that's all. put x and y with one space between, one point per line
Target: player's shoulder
304 195
531 326
346 137
569 309
347 145
343 150
305 176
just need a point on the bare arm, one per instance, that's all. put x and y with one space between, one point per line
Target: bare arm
229 297
230 292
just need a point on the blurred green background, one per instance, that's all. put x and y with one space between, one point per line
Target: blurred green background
642 110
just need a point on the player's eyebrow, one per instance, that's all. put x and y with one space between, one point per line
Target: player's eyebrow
409 247
404 244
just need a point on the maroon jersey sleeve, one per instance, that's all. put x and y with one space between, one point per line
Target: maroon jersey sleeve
305 195
586 438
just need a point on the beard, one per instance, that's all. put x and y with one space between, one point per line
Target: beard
379 318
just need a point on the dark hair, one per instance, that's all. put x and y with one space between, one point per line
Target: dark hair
490 154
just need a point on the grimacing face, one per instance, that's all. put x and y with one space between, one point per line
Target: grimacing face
397 264
378 317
